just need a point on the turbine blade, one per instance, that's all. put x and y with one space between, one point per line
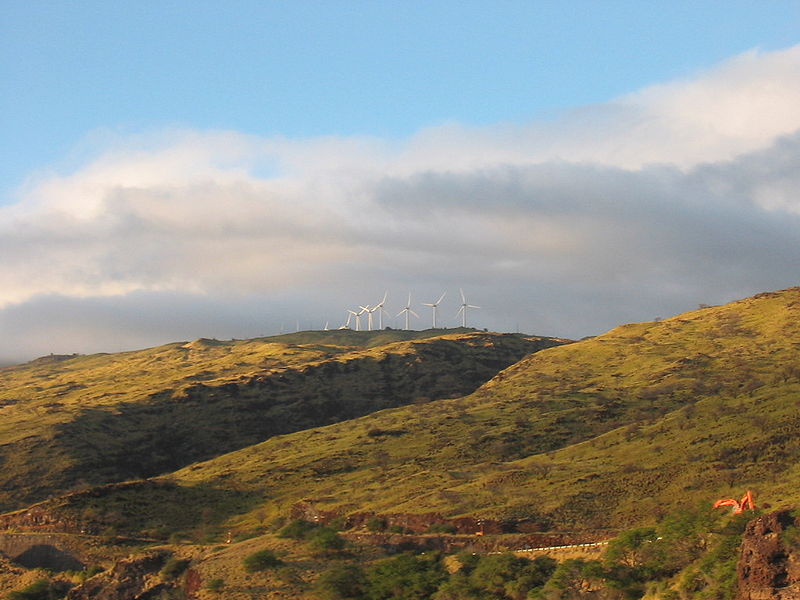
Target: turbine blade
471 306
441 297
413 313
463 299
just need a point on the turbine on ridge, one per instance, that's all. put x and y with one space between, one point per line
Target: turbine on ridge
380 309
369 312
463 310
349 317
407 310
434 305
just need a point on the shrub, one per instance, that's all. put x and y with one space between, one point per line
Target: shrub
261 561
441 528
376 524
174 567
326 541
40 590
341 582
297 529
501 575
405 577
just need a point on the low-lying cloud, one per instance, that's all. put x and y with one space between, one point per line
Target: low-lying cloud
680 194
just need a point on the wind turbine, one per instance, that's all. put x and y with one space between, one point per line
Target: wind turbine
463 309
363 310
347 324
357 315
433 306
407 310
369 312
379 306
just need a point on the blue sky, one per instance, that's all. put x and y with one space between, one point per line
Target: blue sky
175 170
74 70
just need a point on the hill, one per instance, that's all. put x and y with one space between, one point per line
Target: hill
610 431
74 421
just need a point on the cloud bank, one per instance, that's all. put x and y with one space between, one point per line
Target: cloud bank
679 194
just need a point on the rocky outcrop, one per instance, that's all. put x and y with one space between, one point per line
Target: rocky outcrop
769 566
134 578
39 518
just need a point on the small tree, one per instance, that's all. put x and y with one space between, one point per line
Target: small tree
326 541
297 529
261 561
342 582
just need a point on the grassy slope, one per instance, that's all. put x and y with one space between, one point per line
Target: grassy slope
104 418
609 431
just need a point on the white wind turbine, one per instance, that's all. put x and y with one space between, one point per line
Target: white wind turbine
357 315
433 306
407 310
364 309
369 312
463 310
349 317
380 310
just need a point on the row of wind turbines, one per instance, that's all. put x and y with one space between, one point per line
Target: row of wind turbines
407 311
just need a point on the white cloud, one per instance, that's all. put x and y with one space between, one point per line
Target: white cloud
680 193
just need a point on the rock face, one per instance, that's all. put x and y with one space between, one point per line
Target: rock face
130 579
769 567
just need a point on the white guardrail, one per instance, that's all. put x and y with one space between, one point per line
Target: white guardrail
567 547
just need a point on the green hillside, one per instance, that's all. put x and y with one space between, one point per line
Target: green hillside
610 431
77 420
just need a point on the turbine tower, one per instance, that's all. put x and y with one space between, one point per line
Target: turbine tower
433 305
407 310
357 315
369 312
379 307
463 310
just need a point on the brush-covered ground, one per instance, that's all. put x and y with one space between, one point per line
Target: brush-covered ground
70 421
606 432
690 554
626 429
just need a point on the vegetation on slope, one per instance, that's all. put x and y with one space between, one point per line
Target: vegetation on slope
605 432
72 421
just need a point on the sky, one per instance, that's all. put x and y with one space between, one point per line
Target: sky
175 170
